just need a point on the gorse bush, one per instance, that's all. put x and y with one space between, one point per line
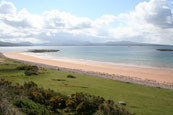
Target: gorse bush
31 108
38 97
84 103
33 100
57 102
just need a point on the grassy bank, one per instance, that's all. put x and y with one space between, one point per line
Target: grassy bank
140 99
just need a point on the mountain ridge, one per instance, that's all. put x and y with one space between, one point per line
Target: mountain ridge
79 43
15 44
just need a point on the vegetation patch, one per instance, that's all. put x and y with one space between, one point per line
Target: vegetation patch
71 76
2 60
31 108
83 87
29 70
71 85
58 79
32 100
140 99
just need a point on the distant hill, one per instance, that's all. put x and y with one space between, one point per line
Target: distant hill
110 43
8 44
79 43
128 43
15 44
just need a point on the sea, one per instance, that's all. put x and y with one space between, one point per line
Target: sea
147 56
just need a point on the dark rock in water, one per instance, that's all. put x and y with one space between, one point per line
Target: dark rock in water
42 50
122 103
165 49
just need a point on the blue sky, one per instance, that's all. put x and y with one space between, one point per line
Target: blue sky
59 21
83 8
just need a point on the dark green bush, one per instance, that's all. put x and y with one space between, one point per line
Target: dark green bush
31 70
31 108
4 82
111 109
24 67
30 84
70 76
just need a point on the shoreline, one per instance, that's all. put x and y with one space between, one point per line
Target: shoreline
93 61
156 77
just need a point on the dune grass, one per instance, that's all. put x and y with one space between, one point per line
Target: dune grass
139 98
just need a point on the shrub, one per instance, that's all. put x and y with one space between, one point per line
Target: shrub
31 70
57 102
47 94
70 76
6 108
111 109
83 103
24 67
30 84
4 82
31 108
39 101
37 97
4 103
43 96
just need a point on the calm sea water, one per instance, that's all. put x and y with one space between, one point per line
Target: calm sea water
133 55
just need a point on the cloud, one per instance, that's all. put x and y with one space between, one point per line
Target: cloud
149 22
52 26
155 12
56 19
23 19
7 8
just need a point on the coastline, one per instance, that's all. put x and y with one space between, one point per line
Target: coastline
157 77
78 60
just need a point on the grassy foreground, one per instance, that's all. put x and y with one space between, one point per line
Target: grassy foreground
140 99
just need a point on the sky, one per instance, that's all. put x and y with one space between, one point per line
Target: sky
82 8
61 21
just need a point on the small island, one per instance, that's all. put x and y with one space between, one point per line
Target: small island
165 49
42 50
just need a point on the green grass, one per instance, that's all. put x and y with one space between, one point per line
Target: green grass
139 98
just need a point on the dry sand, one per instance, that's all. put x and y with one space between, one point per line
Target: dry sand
159 75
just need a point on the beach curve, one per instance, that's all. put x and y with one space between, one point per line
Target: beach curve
157 75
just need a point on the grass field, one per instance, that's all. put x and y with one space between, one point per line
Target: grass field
140 99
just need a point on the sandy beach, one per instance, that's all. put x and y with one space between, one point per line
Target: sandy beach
159 75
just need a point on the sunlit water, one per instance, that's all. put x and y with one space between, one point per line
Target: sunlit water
133 55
